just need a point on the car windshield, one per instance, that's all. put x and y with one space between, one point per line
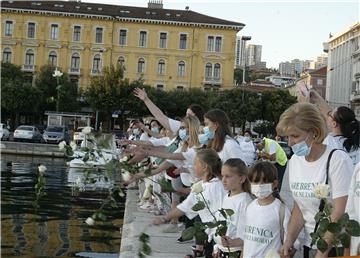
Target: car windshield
55 129
25 128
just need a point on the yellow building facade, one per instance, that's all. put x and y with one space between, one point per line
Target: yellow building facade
169 49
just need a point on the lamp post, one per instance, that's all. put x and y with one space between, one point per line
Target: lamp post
244 38
57 74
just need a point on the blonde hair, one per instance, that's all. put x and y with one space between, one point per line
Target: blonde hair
306 117
194 124
212 160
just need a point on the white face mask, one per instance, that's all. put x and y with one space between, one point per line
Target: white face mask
261 191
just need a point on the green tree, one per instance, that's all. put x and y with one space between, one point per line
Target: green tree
66 93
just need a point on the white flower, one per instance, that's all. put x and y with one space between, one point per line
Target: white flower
86 130
78 181
124 159
121 194
42 168
197 187
73 145
321 191
62 145
272 254
57 73
126 176
90 221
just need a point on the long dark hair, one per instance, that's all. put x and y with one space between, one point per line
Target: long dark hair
218 116
239 167
198 111
266 172
349 127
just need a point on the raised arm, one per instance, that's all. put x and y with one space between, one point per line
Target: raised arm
155 111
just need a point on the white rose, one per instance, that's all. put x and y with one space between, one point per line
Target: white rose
272 254
197 187
126 176
42 168
90 221
62 145
73 145
124 159
321 191
86 130
121 194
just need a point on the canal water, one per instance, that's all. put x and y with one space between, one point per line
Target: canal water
57 227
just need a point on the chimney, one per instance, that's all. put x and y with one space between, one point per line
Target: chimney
155 4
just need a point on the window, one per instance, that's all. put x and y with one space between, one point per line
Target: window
121 61
217 71
53 58
141 65
180 87
160 87
218 41
99 35
162 42
7 55
31 30
181 68
96 64
161 67
142 39
122 39
29 57
77 33
210 44
54 32
183 38
75 62
208 70
8 28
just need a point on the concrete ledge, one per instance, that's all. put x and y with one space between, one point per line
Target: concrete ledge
136 221
32 149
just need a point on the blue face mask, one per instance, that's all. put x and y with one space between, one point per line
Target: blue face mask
203 139
183 134
208 132
301 148
155 129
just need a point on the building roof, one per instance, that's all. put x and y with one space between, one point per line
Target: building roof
319 72
120 12
347 30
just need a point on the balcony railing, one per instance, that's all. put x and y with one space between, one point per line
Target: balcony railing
28 68
213 80
74 70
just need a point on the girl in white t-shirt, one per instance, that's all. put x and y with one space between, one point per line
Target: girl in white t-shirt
266 217
235 179
217 136
207 167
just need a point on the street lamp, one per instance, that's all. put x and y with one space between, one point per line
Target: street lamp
57 74
244 39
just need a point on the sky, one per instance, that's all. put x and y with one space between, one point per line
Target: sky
285 29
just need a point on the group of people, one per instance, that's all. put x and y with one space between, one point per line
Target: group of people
199 148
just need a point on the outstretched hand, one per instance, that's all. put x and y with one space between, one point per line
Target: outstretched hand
140 93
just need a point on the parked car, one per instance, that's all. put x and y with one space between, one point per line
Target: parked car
286 148
56 134
27 133
4 132
78 134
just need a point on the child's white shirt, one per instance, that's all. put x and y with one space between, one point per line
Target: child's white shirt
213 193
262 228
238 204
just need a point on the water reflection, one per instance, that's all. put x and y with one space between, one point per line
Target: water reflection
57 228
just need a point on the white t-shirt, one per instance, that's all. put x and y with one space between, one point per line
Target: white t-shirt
231 149
238 204
337 142
163 141
213 193
262 228
186 178
352 206
174 125
304 176
248 151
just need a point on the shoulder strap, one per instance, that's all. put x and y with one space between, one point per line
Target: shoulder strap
281 219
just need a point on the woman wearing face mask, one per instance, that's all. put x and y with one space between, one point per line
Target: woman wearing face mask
168 123
217 136
305 128
248 148
135 131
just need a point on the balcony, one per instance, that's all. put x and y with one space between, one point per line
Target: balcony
74 71
28 68
212 80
